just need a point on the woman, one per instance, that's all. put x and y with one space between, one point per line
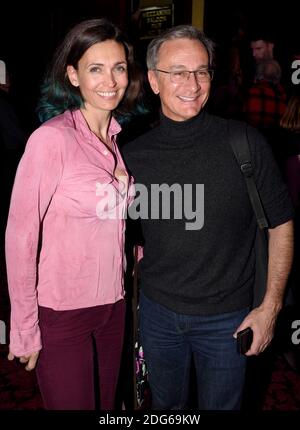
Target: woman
65 231
290 138
290 124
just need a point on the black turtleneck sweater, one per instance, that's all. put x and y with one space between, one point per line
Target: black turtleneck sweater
209 270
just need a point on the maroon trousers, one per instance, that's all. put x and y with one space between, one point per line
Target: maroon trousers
73 342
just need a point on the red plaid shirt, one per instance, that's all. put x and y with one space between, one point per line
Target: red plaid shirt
265 104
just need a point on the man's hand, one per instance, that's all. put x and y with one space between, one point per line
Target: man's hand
29 359
262 320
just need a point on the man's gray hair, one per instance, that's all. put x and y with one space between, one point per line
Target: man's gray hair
178 32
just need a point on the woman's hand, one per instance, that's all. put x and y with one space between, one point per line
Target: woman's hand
30 359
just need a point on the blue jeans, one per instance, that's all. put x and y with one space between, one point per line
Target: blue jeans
172 340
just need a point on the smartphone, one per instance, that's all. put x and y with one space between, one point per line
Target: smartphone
244 340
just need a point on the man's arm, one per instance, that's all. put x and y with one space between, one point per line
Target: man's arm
280 261
263 318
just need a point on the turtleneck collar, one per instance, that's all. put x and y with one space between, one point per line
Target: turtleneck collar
179 130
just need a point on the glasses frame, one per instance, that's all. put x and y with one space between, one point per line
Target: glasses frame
171 73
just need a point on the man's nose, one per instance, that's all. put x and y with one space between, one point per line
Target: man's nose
192 80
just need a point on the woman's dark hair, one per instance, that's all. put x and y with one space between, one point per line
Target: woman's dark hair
58 94
291 118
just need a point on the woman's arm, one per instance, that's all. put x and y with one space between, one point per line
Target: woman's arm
36 180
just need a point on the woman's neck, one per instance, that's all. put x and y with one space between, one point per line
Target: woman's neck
99 125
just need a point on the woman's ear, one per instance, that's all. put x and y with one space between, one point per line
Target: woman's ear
152 77
72 75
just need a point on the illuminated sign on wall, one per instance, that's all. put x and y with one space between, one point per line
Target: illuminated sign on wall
154 20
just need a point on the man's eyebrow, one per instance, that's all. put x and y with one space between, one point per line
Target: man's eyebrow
183 67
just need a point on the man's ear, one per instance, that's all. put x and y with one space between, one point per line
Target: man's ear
72 75
152 77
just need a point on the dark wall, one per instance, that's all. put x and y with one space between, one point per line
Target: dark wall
281 18
29 34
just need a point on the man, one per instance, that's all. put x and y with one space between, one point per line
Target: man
196 279
266 99
265 103
262 48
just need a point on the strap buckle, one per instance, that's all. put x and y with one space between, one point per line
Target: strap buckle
247 169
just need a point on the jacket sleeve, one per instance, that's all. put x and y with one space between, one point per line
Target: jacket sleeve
37 177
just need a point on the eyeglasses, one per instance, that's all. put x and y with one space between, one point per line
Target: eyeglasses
181 76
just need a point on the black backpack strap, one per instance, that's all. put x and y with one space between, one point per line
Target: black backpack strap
238 139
